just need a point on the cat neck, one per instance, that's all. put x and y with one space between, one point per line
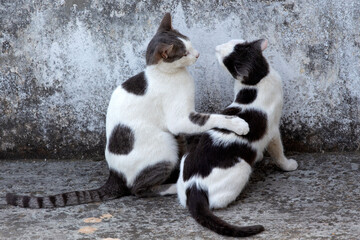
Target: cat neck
272 77
238 85
164 69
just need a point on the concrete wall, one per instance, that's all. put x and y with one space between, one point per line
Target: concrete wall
60 61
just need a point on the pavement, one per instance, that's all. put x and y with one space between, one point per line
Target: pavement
320 200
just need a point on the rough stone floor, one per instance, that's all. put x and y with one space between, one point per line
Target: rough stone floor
321 200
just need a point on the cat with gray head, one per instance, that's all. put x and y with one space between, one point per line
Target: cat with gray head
214 172
144 116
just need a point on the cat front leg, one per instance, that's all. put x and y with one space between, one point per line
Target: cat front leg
201 122
276 151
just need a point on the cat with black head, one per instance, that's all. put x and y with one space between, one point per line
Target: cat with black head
214 172
145 115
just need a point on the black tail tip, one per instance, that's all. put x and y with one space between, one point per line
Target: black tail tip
255 229
260 228
11 199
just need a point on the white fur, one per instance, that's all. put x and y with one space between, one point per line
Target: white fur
170 191
221 139
224 185
158 115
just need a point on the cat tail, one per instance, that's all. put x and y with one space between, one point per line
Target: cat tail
198 205
115 187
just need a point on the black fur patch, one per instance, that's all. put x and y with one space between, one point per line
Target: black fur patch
65 198
198 118
77 194
26 201
198 196
205 157
231 111
40 202
256 119
136 84
246 96
247 62
53 200
100 194
121 140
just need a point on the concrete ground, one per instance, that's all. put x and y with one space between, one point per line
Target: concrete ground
321 200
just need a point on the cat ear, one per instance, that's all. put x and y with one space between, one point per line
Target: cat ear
165 24
164 50
261 44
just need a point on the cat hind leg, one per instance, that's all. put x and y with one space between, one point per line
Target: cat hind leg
276 151
149 182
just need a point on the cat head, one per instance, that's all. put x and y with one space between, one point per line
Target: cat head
170 48
244 60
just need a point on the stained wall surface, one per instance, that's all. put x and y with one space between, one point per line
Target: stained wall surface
61 60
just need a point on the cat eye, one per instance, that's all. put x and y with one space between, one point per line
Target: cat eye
185 54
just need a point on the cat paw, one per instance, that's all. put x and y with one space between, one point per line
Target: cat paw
289 165
240 126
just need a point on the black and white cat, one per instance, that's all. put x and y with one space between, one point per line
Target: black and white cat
144 115
215 171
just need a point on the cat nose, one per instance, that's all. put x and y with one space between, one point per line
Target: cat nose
197 55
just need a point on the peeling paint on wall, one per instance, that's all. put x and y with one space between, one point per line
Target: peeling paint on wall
59 63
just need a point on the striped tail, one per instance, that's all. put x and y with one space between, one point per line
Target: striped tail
198 205
115 187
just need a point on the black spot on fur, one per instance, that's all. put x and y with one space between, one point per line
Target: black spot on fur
121 140
26 201
246 62
136 84
246 96
256 119
65 198
40 202
231 111
53 200
206 156
198 118
100 194
77 194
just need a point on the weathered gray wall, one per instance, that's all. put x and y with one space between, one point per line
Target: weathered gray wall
60 61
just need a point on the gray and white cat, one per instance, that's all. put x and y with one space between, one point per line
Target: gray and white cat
215 171
144 115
